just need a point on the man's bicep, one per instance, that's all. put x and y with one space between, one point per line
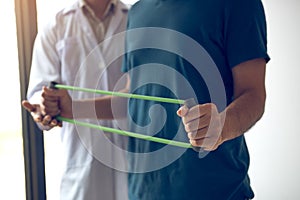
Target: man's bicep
249 76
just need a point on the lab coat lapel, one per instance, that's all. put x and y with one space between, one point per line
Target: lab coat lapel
114 24
95 47
85 25
95 53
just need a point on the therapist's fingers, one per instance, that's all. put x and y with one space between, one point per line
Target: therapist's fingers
28 106
55 122
37 116
34 110
49 121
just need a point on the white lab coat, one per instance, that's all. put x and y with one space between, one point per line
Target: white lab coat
63 53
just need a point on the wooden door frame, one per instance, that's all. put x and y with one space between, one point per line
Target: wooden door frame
33 141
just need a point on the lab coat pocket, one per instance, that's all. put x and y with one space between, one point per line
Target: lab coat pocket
72 52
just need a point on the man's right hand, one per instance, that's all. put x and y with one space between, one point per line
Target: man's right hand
56 101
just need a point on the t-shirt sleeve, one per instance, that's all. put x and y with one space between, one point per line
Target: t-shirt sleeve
245 31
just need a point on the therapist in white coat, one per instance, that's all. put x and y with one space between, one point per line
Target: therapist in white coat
70 50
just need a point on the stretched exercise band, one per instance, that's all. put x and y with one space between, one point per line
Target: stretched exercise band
119 94
127 133
189 103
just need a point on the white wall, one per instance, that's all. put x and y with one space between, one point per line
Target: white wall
274 141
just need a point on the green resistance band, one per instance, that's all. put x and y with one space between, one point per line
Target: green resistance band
119 94
189 103
127 133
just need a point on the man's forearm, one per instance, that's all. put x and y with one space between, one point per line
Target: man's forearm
242 114
107 108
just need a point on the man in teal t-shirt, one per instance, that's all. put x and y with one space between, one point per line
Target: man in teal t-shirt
232 33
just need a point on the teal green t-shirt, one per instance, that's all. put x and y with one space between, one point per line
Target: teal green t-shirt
187 49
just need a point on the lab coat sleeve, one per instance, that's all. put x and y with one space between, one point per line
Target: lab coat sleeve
45 65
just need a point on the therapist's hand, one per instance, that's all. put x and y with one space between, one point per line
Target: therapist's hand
203 124
56 101
44 120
